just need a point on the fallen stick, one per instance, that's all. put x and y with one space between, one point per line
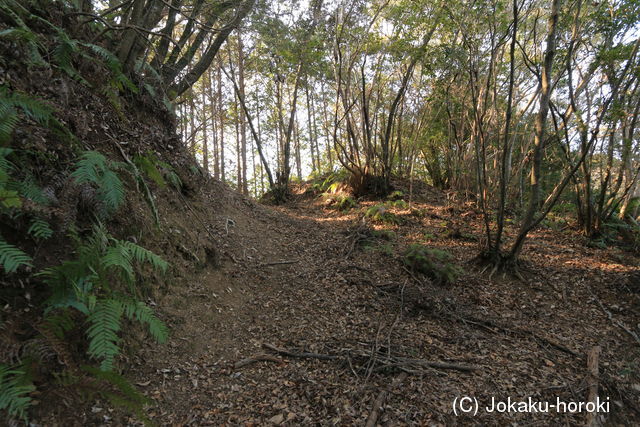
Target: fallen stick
265 264
382 397
614 321
592 367
488 325
258 358
439 365
302 355
398 362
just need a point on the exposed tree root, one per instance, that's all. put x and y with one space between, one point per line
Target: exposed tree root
499 262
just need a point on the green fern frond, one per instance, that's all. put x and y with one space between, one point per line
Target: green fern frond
11 258
143 255
30 190
59 323
103 332
170 175
119 257
10 102
14 393
111 190
137 310
87 167
9 198
8 121
62 56
5 165
107 56
40 229
94 168
33 108
27 38
113 64
147 165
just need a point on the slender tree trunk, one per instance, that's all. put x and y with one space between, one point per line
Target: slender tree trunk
310 129
243 127
213 107
205 142
539 137
192 115
222 118
506 146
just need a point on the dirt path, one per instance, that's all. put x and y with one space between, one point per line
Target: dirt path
317 300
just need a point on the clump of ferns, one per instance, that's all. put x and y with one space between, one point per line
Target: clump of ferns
101 284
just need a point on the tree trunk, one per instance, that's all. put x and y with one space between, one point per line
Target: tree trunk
539 140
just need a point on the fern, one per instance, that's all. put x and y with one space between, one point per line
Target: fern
127 396
27 38
14 392
103 332
33 108
147 165
119 257
119 79
94 168
111 190
10 102
11 258
171 176
28 189
9 198
137 310
40 229
143 255
87 284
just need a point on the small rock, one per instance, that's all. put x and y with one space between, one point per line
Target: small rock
277 419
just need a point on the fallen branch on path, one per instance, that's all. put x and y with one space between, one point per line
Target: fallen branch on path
407 365
258 358
592 366
377 404
299 355
614 321
492 326
266 264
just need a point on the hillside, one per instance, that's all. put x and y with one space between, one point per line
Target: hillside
290 278
137 288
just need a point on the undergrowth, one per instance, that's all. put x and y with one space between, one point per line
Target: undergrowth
434 263
100 283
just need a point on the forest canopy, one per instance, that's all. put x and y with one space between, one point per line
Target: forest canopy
521 105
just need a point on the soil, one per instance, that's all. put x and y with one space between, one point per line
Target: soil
291 277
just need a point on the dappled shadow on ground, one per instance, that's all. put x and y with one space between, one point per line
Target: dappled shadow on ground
291 277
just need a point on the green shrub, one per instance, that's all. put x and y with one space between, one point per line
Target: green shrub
381 213
434 263
399 204
396 195
328 182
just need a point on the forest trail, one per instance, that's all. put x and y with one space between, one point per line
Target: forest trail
292 285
